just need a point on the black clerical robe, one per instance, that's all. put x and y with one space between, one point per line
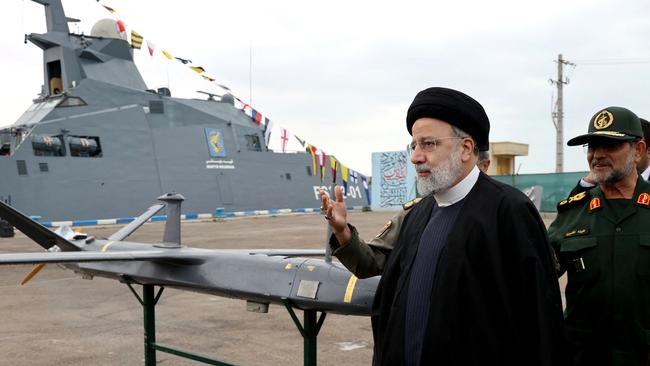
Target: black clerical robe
495 299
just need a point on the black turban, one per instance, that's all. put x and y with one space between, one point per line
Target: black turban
451 106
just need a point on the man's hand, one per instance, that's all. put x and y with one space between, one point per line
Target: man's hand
336 214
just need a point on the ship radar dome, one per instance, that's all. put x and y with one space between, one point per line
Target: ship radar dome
228 98
107 28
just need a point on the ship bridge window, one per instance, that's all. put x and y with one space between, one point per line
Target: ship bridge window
45 145
253 143
22 167
85 146
72 102
5 149
54 76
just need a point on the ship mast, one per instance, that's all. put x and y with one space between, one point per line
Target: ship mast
54 16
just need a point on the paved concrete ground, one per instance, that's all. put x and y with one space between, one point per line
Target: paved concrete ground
61 319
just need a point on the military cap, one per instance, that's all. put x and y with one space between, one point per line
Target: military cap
615 123
456 108
645 126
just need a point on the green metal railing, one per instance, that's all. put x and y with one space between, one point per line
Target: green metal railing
556 185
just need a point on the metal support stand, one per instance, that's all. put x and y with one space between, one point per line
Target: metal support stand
148 302
309 331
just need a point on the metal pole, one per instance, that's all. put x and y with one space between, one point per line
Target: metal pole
149 311
311 332
559 147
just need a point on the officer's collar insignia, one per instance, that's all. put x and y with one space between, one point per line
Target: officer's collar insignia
603 120
576 232
594 204
411 203
385 228
643 199
575 198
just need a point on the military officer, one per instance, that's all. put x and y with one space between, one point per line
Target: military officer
602 239
643 166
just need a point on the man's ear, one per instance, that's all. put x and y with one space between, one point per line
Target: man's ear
641 149
467 153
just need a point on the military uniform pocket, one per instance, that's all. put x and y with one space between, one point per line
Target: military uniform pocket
580 346
580 258
643 264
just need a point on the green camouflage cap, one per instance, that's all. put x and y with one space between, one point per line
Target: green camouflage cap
615 123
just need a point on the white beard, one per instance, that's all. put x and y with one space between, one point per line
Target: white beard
616 175
443 176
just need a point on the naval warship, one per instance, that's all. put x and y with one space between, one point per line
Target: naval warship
97 143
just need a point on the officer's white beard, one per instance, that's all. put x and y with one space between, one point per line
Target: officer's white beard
443 176
616 175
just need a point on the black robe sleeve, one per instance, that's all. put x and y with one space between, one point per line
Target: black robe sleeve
539 313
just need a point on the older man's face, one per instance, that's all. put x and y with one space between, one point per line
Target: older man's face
611 161
436 155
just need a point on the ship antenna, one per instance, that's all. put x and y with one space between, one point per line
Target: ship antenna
167 69
250 73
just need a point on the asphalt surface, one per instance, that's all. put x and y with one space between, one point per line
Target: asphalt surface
61 319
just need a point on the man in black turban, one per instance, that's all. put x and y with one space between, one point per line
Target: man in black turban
468 276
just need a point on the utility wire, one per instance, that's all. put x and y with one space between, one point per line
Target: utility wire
614 61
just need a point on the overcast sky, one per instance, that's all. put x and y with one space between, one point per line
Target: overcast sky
341 74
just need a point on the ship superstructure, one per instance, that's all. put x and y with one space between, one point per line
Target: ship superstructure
97 143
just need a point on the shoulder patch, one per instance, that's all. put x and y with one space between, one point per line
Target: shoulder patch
409 205
594 204
643 199
571 201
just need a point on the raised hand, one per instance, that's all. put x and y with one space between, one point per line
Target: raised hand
336 214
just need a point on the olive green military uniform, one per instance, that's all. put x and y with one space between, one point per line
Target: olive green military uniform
368 260
604 245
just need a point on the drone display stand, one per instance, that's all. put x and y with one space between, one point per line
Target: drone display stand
309 330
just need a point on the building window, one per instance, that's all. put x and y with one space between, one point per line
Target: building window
22 167
253 143
45 145
85 146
